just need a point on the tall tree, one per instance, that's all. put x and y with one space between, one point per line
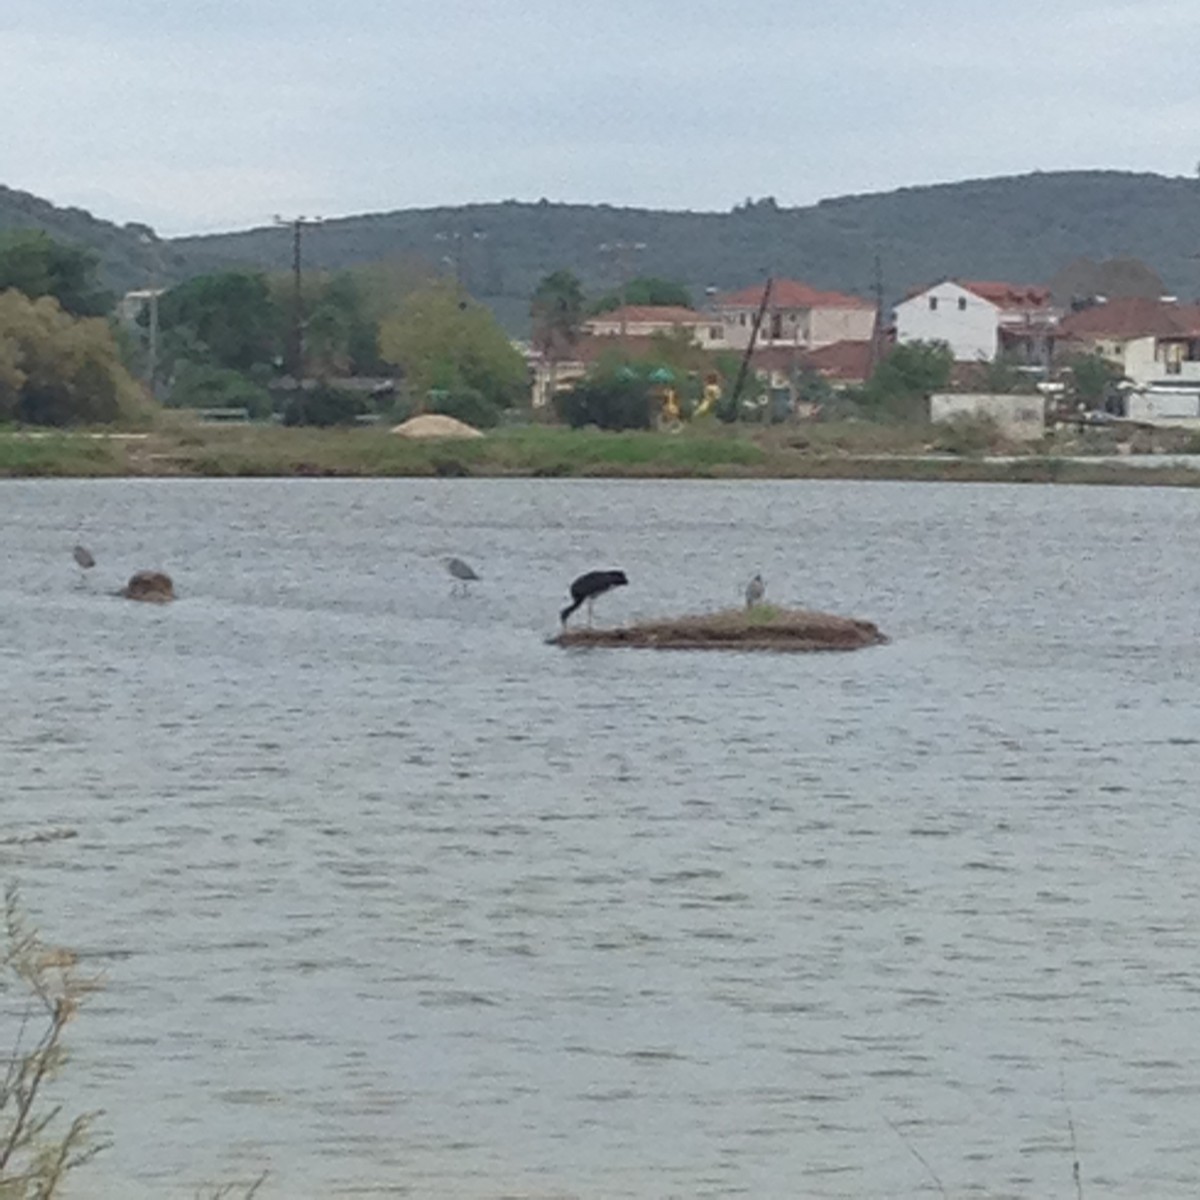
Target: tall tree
231 316
557 311
35 264
449 344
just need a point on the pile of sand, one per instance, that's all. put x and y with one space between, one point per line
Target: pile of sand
760 628
434 425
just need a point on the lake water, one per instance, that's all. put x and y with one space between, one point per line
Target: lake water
392 898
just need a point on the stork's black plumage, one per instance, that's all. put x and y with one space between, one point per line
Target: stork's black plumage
588 587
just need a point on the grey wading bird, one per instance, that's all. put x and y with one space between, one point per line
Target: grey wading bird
588 587
461 572
84 559
755 591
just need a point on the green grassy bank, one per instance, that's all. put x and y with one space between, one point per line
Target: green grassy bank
834 451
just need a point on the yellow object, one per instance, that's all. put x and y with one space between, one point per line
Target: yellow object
712 393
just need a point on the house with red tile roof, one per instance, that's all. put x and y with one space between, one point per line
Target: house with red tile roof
978 319
796 315
1149 341
646 320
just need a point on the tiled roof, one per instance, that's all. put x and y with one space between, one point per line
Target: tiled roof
1134 317
849 361
1008 295
650 314
790 293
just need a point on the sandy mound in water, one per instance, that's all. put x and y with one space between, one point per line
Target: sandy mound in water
434 425
762 628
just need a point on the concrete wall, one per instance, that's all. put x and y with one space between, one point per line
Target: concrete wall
948 313
1158 407
829 325
1022 418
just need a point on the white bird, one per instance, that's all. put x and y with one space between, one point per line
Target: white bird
460 572
755 591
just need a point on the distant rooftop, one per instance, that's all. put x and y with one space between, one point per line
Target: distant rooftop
650 314
1134 316
790 293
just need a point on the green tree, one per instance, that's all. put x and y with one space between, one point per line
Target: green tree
341 333
1092 377
906 378
646 290
34 263
56 369
557 312
230 319
445 343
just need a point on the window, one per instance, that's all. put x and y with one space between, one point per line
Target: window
962 304
933 304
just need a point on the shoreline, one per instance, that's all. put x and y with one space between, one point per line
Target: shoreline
836 453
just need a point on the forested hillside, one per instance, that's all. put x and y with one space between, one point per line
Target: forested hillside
1022 228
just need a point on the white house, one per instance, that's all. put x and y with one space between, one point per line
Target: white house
973 319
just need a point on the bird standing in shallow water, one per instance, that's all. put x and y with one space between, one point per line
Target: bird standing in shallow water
588 587
461 573
83 558
755 591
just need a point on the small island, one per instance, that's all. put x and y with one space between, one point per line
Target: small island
763 627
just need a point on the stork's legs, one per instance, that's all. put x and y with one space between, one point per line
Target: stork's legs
591 600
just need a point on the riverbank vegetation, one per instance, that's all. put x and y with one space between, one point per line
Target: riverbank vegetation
179 446
240 373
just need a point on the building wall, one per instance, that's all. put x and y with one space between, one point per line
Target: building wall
1162 406
949 313
1139 361
829 325
806 328
1022 418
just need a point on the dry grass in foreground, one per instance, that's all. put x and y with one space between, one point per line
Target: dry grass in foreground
763 627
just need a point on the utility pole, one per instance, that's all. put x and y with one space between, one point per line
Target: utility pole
622 253
758 320
150 240
876 354
297 225
458 256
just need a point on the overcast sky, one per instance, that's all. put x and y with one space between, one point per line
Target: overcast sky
216 114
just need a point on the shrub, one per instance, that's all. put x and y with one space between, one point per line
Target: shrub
324 406
967 436
199 386
56 369
616 400
466 404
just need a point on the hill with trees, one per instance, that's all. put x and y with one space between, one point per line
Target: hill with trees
1022 228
